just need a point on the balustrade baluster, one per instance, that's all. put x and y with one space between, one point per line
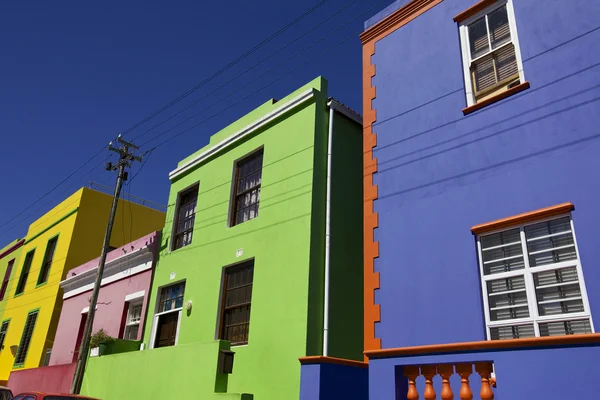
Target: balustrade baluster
465 370
446 372
484 370
429 371
412 373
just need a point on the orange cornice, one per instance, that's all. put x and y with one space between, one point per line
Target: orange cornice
371 219
498 97
549 341
398 18
523 218
331 360
474 9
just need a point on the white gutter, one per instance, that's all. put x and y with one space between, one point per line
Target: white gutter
327 235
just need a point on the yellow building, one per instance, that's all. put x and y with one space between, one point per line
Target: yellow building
9 258
65 237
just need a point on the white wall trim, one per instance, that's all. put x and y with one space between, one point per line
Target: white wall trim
110 279
86 310
135 295
345 111
248 129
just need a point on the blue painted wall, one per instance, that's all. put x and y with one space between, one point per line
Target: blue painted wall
332 382
549 374
441 172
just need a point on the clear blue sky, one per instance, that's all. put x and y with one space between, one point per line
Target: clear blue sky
74 74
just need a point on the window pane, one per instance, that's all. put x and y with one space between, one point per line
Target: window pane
483 73
512 332
499 28
509 313
506 63
502 252
478 38
247 188
235 322
550 242
565 328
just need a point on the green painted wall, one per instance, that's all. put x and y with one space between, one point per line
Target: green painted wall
286 241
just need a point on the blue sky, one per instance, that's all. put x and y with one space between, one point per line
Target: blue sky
74 74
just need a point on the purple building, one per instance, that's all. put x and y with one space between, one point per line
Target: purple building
481 148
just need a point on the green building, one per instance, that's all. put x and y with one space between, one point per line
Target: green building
257 256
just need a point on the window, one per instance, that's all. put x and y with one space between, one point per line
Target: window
246 188
3 331
25 272
6 279
532 281
186 213
48 257
132 321
236 301
491 57
26 338
167 318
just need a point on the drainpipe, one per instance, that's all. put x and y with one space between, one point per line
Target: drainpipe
327 235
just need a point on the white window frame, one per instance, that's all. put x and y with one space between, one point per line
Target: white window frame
158 314
466 51
128 324
527 272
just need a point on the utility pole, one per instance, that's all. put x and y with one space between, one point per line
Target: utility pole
125 158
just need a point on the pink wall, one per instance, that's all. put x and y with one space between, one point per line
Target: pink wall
55 379
111 304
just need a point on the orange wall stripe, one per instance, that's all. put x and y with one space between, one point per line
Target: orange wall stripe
331 360
371 221
567 340
523 218
469 12
398 18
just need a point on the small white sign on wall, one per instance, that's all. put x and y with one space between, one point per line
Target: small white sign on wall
239 252
172 276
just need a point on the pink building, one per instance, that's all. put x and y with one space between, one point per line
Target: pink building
120 311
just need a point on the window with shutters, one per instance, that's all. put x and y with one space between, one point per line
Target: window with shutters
3 331
532 281
26 338
48 259
185 217
24 273
491 56
235 303
246 188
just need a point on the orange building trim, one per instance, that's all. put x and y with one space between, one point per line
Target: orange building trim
398 18
523 218
371 249
548 341
496 98
331 360
474 9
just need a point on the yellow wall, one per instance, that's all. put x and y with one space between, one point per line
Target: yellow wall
80 222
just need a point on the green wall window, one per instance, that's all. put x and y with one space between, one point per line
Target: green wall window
246 189
186 214
48 258
3 331
25 272
235 306
9 268
26 338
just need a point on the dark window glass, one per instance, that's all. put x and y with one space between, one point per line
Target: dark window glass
6 278
25 272
48 258
171 297
26 338
237 297
248 178
3 331
186 213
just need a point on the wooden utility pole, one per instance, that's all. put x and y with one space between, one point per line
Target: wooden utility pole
126 157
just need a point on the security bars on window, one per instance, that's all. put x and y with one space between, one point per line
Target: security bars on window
26 338
236 302
3 331
532 281
248 178
186 214
491 58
